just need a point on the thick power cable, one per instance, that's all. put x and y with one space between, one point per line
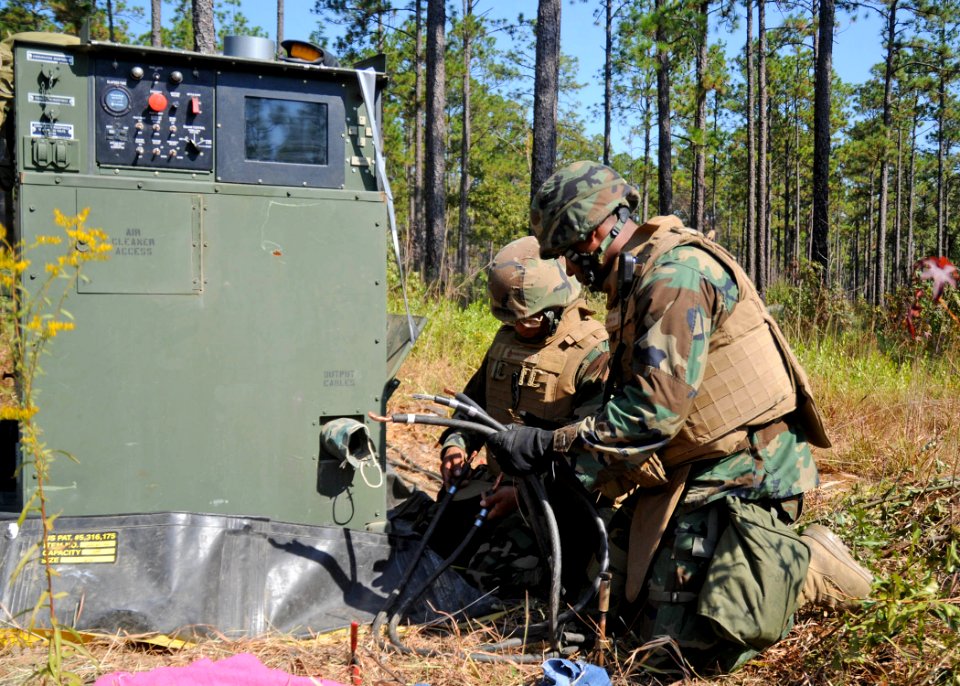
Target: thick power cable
485 427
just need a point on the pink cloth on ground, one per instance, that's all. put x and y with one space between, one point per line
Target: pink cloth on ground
239 670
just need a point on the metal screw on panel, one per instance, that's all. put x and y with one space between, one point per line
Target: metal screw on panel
32 208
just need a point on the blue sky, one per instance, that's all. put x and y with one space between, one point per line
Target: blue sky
857 47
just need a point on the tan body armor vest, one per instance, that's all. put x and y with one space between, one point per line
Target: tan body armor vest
752 376
751 380
540 378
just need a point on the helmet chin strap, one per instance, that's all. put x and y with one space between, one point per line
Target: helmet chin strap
595 266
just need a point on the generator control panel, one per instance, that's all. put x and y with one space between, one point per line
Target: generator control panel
154 115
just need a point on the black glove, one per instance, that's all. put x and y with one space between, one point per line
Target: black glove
522 450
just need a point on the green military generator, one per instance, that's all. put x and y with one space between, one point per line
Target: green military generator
241 310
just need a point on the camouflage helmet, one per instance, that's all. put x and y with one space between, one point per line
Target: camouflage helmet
521 284
574 201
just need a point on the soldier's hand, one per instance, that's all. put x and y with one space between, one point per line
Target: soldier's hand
522 450
501 502
451 465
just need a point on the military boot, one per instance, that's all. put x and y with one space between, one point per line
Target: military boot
834 578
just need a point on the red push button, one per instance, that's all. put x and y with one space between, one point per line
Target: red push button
157 102
194 105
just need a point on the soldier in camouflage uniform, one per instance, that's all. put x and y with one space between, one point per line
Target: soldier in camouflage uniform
704 438
548 359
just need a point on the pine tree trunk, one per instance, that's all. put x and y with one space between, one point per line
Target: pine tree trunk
821 139
796 172
204 35
647 125
783 255
545 93
434 187
898 214
664 142
869 266
941 162
912 189
751 228
418 217
280 9
762 260
156 37
608 83
880 259
110 30
714 222
699 195
464 226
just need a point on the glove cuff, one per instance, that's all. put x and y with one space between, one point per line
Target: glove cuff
565 437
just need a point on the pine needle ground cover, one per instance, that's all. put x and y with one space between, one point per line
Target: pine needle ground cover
890 488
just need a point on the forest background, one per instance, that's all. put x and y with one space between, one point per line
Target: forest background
730 147
827 188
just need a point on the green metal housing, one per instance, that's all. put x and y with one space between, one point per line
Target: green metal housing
233 318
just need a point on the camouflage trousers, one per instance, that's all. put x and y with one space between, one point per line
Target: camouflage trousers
682 572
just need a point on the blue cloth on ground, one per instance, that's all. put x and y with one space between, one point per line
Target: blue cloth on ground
560 672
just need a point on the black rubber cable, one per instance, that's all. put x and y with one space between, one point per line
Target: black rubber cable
471 411
555 618
415 559
556 555
433 420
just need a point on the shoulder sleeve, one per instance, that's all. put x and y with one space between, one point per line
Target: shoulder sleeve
669 319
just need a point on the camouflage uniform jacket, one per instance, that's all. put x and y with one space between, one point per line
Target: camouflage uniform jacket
671 315
549 379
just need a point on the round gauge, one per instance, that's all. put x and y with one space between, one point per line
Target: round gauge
116 100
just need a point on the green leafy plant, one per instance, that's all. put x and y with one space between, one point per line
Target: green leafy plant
910 626
31 318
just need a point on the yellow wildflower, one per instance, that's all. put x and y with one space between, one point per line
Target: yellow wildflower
35 323
54 327
18 414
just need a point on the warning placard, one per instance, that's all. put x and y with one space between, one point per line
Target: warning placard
80 548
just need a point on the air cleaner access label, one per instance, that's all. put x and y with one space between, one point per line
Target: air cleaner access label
90 547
